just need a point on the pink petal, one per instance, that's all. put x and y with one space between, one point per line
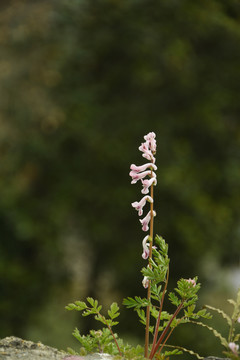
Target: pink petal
139 205
143 167
145 253
147 183
137 176
145 221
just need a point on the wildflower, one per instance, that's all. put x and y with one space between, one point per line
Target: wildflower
233 347
148 183
137 176
191 281
149 147
139 205
150 137
143 167
147 154
145 253
145 221
145 282
238 320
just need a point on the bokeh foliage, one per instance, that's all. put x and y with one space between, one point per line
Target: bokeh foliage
81 82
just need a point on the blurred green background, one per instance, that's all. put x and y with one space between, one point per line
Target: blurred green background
81 83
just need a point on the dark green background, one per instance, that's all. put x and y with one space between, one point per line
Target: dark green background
81 83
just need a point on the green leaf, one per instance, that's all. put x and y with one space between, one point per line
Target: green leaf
92 302
221 312
137 302
215 332
232 302
81 304
113 312
101 318
174 299
185 350
71 307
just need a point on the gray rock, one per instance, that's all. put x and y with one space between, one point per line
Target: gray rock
215 358
96 356
13 348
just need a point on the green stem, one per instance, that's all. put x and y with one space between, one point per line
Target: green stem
149 285
110 329
160 311
230 332
154 350
169 334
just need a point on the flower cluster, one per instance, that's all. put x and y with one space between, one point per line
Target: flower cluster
145 173
192 282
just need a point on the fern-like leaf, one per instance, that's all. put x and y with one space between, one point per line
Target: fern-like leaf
221 312
186 350
215 332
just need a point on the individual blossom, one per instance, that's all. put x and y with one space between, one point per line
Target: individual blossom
150 138
137 176
140 172
136 168
145 221
191 281
139 205
233 347
145 282
238 320
147 153
145 245
148 183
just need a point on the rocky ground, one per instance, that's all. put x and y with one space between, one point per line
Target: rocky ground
13 348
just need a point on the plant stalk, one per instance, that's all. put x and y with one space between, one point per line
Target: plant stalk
160 311
149 285
154 349
114 338
168 336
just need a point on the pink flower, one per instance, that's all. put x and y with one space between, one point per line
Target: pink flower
191 281
139 205
149 147
238 320
150 138
145 282
137 176
145 221
233 347
147 153
145 253
143 167
148 183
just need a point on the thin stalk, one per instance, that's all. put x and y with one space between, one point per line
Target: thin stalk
114 338
154 350
160 311
149 285
231 332
169 334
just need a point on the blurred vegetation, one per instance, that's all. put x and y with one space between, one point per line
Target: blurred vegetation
81 82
